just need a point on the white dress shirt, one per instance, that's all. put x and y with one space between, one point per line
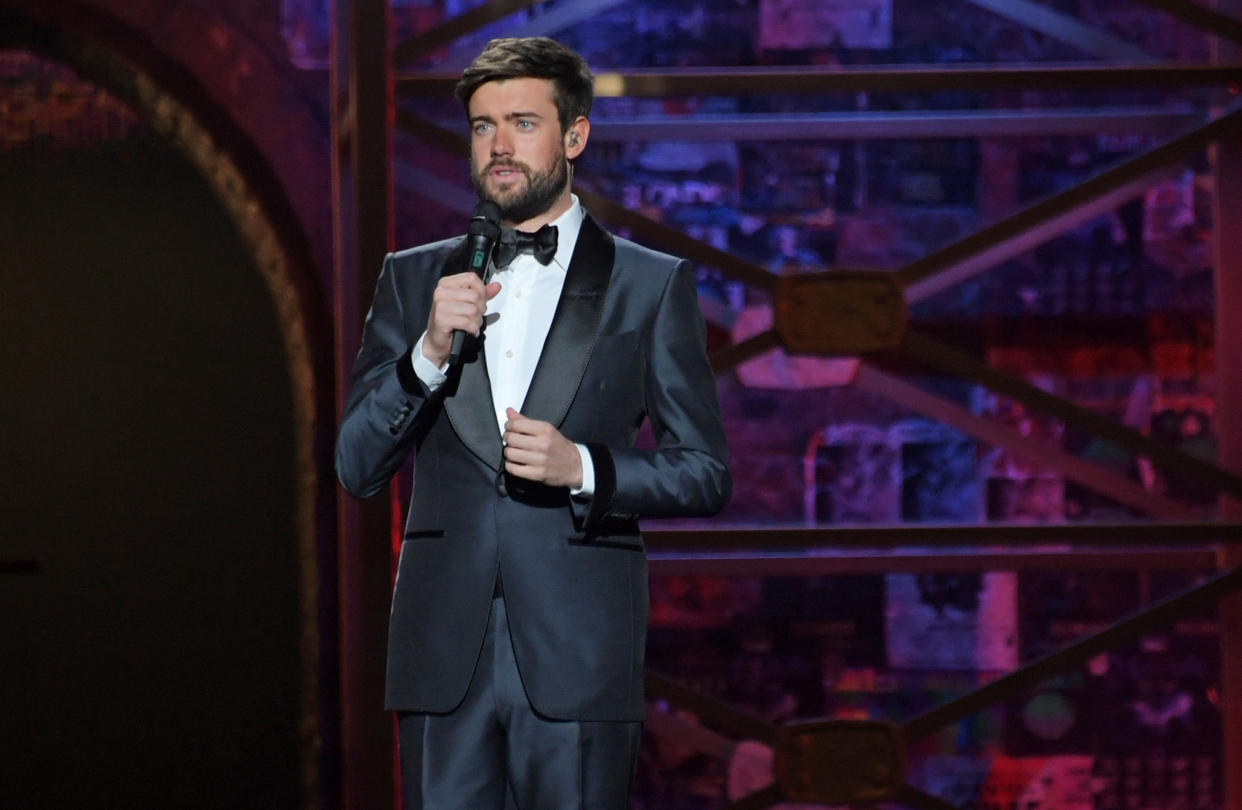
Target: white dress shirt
517 322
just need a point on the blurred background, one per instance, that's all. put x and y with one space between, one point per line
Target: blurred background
970 285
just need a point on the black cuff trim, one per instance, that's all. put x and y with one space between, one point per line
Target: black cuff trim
408 378
605 486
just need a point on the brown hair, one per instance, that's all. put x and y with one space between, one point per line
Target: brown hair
538 58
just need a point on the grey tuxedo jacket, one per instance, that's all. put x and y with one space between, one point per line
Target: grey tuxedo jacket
626 344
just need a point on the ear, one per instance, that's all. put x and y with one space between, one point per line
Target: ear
576 137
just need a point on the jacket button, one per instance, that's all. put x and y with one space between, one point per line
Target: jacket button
501 488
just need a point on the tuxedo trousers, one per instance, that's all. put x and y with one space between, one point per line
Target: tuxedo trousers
495 752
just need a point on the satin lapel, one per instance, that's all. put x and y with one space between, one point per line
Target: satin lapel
468 402
574 326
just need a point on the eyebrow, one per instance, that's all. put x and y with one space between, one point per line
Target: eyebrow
507 117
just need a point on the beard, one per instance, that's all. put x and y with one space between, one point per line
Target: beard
523 202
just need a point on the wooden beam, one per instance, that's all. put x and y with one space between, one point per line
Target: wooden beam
362 229
1226 160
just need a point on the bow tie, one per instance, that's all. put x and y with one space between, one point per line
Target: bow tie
542 243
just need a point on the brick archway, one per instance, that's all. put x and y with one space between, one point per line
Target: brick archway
166 95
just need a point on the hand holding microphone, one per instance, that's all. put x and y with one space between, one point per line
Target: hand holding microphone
460 300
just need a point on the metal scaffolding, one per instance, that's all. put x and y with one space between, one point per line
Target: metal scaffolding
824 761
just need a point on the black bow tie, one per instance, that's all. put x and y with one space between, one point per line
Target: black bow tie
542 243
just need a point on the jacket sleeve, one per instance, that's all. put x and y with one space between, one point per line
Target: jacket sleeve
389 408
687 474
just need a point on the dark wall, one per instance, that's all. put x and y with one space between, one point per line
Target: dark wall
146 460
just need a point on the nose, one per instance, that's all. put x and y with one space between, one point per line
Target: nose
502 144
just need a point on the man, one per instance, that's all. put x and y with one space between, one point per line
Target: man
515 653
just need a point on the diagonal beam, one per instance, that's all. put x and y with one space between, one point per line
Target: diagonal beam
642 227
554 19
1209 20
648 230
922 800
733 356
1133 626
690 734
454 27
434 134
932 353
722 716
1090 475
904 79
1046 20
1056 224
455 197
1059 204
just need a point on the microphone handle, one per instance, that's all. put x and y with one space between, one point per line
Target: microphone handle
479 251
459 345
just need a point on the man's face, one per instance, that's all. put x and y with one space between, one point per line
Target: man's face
517 155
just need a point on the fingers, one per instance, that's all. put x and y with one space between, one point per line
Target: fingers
521 424
523 433
537 451
458 303
526 448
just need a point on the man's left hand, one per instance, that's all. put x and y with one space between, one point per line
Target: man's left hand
537 451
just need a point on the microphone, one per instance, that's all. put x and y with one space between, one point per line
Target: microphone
484 230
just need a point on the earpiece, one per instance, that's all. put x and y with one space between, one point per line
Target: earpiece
573 139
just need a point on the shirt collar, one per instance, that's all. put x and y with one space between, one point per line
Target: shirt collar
567 225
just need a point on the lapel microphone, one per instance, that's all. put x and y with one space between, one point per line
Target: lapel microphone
484 230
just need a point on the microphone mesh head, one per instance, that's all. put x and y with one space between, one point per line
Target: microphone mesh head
485 220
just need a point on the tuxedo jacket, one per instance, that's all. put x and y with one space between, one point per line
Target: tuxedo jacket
626 344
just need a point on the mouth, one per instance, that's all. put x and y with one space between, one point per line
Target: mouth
505 172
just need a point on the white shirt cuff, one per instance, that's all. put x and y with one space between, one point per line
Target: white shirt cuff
588 473
426 370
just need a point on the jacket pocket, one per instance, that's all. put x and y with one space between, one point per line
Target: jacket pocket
623 542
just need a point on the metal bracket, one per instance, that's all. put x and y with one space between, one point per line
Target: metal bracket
840 312
840 761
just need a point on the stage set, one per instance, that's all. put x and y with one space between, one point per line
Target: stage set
970 272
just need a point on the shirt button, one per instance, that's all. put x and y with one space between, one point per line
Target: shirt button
509 354
518 294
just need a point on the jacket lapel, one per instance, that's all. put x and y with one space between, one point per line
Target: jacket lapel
468 400
574 326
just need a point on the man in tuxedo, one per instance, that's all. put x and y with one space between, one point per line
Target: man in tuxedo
515 651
